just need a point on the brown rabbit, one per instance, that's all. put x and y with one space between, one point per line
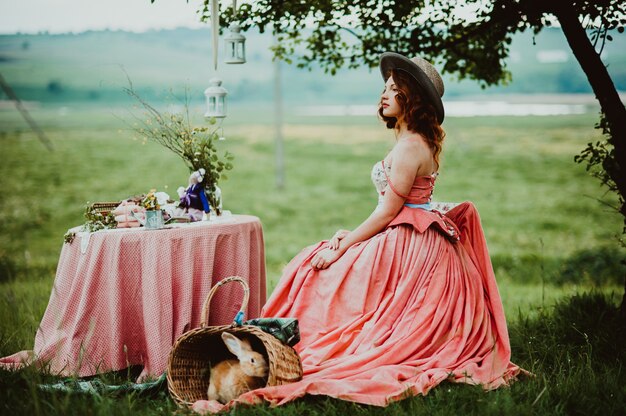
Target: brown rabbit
231 378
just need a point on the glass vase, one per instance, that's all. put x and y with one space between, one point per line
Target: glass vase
215 200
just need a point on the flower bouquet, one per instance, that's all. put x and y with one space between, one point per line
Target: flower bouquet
150 201
154 214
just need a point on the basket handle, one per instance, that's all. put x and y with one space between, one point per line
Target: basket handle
246 295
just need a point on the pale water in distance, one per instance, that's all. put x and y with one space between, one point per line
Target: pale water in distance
458 109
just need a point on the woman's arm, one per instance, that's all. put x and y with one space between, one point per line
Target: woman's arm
403 170
406 162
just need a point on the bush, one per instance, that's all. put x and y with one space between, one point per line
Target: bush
55 87
596 266
576 353
586 327
599 266
526 269
8 268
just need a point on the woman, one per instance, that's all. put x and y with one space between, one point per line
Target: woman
408 299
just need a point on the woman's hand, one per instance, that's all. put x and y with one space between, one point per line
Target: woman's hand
324 258
333 243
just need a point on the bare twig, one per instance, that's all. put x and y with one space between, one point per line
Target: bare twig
24 112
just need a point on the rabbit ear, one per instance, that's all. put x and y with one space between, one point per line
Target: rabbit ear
233 343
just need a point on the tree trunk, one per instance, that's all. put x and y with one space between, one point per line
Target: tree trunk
604 89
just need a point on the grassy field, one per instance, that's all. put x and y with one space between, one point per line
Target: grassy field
549 230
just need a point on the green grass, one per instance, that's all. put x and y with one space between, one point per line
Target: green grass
539 209
574 351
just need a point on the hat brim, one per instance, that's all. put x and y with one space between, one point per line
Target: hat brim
392 60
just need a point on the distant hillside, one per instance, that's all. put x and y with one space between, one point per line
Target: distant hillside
93 67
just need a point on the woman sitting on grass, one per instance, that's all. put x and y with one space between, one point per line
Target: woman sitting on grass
408 299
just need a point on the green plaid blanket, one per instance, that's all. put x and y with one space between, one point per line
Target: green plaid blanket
285 329
97 387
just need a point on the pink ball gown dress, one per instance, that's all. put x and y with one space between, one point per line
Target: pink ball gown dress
413 306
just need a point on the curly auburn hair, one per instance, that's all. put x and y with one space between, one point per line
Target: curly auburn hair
418 116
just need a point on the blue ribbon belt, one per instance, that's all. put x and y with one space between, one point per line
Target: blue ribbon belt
425 206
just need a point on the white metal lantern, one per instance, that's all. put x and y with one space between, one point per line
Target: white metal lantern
215 99
235 45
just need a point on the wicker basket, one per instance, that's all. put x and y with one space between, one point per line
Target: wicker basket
104 207
188 368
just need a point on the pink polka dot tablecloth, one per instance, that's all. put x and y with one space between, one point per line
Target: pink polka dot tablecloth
122 297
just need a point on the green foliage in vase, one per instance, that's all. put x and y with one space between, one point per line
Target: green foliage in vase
194 145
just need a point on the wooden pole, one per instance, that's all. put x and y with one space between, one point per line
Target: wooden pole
215 29
278 125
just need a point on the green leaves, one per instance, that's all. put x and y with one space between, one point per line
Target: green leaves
335 34
194 145
602 161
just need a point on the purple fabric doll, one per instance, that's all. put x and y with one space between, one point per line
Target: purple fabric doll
193 200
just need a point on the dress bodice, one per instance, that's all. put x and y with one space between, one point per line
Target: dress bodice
416 210
420 193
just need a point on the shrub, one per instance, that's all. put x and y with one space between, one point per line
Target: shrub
8 268
55 87
576 352
526 269
596 266
583 327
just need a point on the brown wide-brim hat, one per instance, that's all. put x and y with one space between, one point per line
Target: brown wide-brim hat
423 72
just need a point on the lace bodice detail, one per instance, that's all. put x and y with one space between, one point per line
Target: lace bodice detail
379 178
421 191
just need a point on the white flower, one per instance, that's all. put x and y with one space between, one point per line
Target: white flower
162 198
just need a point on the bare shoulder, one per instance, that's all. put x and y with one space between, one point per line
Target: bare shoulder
416 140
405 158
412 149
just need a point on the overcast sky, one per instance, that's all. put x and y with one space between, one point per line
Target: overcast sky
60 16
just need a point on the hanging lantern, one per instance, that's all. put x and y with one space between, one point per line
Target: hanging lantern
215 99
235 45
